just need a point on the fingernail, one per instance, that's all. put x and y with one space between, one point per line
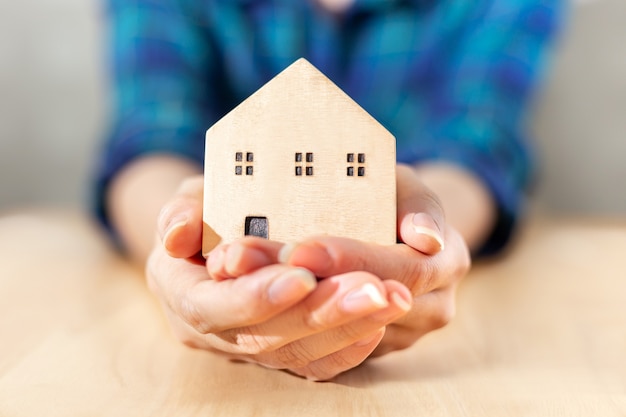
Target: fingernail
424 225
369 339
291 286
174 224
363 299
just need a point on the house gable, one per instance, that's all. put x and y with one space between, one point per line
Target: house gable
305 157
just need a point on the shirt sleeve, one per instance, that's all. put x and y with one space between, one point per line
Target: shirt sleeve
479 111
160 64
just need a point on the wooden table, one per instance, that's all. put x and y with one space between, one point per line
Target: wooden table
541 332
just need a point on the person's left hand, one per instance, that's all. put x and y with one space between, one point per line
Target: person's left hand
431 260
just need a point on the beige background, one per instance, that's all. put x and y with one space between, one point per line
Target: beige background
52 106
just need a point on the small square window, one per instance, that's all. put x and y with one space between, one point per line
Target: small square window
238 156
249 157
361 158
298 156
361 171
309 170
298 171
238 170
350 157
350 172
309 156
249 170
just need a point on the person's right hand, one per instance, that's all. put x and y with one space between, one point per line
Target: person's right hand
277 316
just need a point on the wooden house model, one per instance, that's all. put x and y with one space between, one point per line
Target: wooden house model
299 158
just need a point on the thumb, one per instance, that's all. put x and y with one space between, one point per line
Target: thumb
180 221
421 220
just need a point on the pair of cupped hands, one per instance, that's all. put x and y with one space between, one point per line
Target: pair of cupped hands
315 308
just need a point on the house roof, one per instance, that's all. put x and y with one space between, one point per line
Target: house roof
302 100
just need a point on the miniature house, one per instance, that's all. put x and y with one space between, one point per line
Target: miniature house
299 158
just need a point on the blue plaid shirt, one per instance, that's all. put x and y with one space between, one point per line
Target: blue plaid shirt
450 79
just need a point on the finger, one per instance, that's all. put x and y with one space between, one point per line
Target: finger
213 307
357 340
241 257
421 219
210 306
350 357
328 255
336 301
180 221
305 350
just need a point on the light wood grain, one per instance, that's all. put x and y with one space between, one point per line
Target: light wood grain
539 333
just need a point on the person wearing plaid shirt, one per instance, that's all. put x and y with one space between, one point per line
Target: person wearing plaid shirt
451 80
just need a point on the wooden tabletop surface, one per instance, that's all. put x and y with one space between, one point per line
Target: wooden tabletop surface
541 332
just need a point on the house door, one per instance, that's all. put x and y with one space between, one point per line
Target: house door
257 226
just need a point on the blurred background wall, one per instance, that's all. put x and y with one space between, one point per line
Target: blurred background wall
53 101
580 118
